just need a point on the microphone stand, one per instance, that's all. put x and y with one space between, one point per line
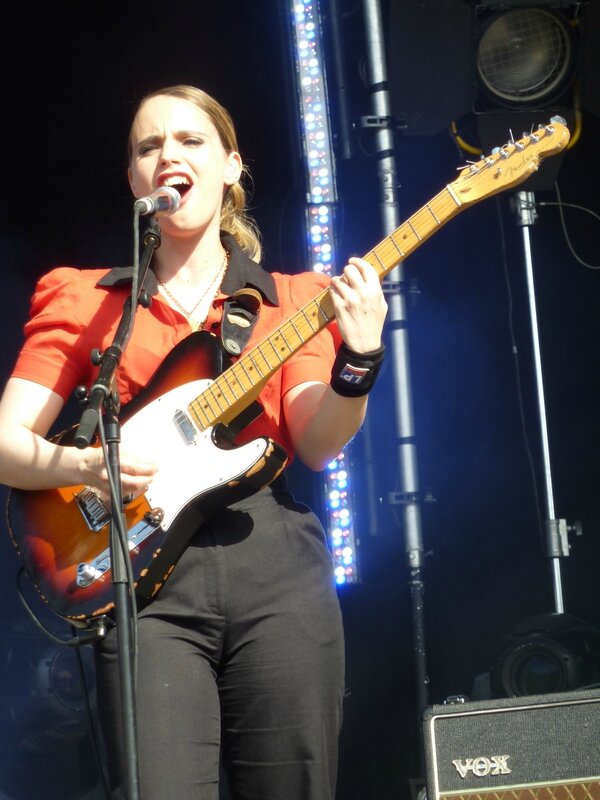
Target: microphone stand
103 394
556 539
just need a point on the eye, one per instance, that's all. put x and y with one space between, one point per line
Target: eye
193 141
143 149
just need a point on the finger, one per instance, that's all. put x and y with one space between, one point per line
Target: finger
132 465
132 490
365 269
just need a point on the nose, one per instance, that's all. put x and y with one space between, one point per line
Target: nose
169 152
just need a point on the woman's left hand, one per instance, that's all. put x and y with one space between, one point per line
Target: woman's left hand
360 305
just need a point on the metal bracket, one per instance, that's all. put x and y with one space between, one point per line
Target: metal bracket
382 122
409 498
557 537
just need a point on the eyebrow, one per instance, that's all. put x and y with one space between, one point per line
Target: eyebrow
182 134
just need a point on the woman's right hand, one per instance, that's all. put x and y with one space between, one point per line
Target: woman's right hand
30 461
136 473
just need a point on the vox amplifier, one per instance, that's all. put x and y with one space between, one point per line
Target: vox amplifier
540 747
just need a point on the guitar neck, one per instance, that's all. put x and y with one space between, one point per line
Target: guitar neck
237 387
411 234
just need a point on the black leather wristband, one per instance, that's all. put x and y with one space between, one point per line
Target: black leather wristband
354 374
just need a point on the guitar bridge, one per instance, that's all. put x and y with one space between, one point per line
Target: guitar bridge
89 572
93 509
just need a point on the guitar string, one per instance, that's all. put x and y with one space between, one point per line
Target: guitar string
419 225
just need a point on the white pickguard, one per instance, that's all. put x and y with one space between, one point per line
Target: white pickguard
189 466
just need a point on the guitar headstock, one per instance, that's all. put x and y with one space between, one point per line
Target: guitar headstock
510 164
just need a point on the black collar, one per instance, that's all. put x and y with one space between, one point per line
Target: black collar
241 272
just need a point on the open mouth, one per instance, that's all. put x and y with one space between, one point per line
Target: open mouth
179 183
182 188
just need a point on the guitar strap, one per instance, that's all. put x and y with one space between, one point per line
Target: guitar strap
240 312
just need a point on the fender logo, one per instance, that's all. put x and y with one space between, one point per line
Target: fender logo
482 766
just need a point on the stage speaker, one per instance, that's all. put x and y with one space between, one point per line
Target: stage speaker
590 80
430 63
541 747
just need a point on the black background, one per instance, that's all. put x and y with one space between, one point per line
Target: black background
72 74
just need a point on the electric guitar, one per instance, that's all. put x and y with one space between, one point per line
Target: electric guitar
62 535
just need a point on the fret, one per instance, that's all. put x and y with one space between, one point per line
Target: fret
413 229
214 394
307 318
452 194
327 306
268 360
222 387
376 254
242 366
195 407
292 324
275 350
428 207
324 314
230 386
253 360
267 357
401 253
238 372
406 237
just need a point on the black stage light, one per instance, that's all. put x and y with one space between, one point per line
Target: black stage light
517 61
547 653
526 57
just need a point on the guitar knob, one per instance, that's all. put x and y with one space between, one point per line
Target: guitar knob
86 574
155 516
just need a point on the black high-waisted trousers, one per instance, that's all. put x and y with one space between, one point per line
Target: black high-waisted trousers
240 665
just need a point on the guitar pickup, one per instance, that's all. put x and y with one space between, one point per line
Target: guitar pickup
186 429
93 510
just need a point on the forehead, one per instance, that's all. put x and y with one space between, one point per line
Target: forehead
164 113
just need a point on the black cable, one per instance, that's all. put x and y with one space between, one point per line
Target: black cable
561 207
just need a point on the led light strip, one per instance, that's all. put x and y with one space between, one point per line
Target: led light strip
320 203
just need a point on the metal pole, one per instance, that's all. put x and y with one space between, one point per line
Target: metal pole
409 496
556 530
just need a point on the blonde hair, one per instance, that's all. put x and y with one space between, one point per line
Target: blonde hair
234 217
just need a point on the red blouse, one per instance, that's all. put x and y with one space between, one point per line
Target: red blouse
71 315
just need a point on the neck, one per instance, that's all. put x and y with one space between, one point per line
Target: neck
189 261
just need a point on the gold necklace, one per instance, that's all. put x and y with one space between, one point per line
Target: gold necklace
210 289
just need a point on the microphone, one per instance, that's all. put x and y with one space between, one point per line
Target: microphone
165 200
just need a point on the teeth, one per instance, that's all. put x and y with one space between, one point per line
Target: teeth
176 180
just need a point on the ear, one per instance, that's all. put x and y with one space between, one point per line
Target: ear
233 168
